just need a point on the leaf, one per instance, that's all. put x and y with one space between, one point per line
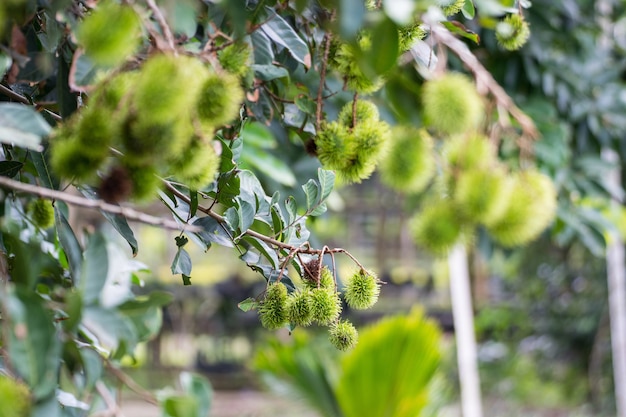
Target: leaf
21 125
263 54
459 29
200 388
46 177
179 405
69 243
258 135
248 304
5 63
275 168
246 213
327 182
214 231
181 263
111 328
33 346
311 191
384 51
304 103
468 9
269 72
319 210
350 16
264 249
95 269
292 208
279 31
10 168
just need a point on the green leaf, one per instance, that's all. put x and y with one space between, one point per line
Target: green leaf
214 231
327 182
264 249
312 192
69 243
246 213
92 367
85 71
459 29
384 51
304 103
281 33
292 209
5 63
268 164
193 206
186 279
263 54
200 388
258 135
179 405
181 263
269 72
319 210
111 328
33 346
46 177
95 269
351 15
10 168
468 9
22 126
248 304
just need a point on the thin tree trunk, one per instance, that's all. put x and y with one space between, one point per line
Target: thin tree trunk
463 315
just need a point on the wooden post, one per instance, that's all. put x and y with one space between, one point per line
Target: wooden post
463 316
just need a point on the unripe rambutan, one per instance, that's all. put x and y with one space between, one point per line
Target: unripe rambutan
437 227
450 7
114 93
299 309
343 335
331 143
482 195
197 166
235 58
220 98
325 305
144 179
41 213
365 111
345 61
71 159
452 104
531 208
326 279
512 32
96 128
15 398
365 146
468 152
273 309
110 34
408 35
168 87
362 290
409 164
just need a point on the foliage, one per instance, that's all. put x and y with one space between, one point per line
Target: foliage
387 374
157 108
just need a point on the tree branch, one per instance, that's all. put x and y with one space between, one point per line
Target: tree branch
320 91
75 200
158 16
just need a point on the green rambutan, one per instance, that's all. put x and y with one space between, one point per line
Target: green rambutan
331 143
482 194
299 308
110 34
437 227
468 152
530 209
366 111
326 278
343 335
235 58
41 213
450 7
362 290
71 159
452 104
144 179
346 63
197 165
409 34
513 32
220 98
15 398
273 309
325 305
409 164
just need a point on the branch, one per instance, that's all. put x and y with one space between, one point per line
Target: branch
484 78
75 200
21 99
129 382
167 32
320 91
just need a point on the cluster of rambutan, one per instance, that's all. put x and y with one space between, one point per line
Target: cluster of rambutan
353 145
15 397
318 301
138 125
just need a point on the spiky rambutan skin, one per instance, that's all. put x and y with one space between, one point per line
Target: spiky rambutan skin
531 208
96 128
452 104
450 7
468 152
408 35
362 290
326 279
41 213
71 159
343 335
144 179
332 143
168 87
299 309
437 227
114 93
409 164
15 398
273 309
482 194
365 146
346 63
513 32
220 98
366 111
110 34
325 305
235 58
197 166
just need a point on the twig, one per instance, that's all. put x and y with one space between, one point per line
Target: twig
112 406
484 78
129 382
167 32
320 92
21 99
354 107
75 200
